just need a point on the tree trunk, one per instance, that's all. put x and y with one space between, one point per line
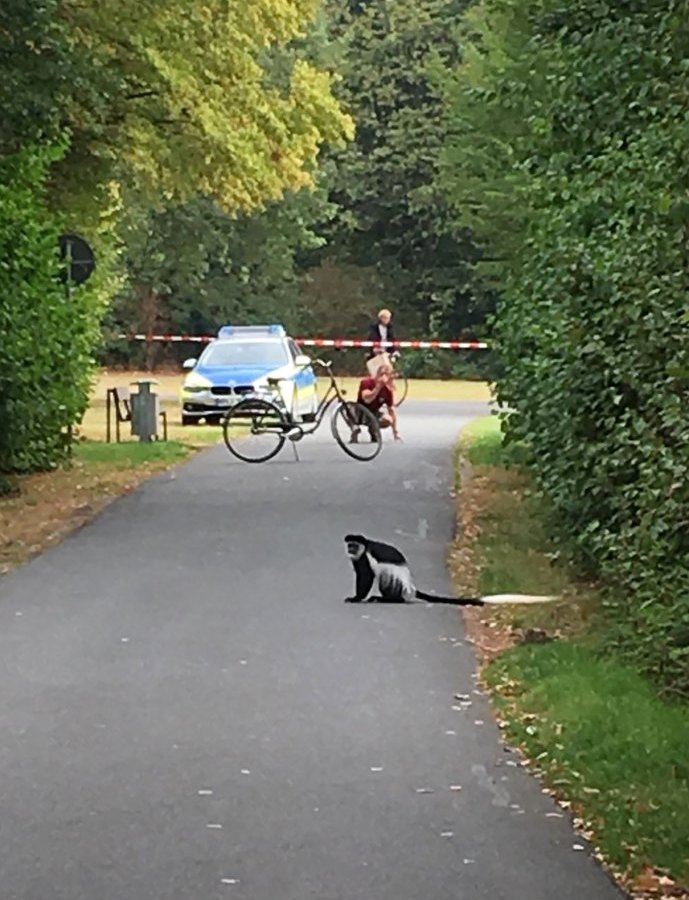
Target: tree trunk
151 303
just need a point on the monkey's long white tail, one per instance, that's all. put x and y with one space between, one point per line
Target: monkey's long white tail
517 598
488 600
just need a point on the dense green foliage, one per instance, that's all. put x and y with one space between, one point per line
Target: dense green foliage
153 107
47 337
393 218
192 267
570 157
34 67
180 99
379 231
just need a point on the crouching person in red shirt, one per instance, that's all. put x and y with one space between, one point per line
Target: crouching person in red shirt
377 392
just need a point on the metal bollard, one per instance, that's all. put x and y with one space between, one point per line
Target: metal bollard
145 411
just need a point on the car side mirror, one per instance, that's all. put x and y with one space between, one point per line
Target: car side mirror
302 360
189 363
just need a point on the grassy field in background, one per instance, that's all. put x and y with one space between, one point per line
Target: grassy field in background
93 425
169 384
606 745
168 387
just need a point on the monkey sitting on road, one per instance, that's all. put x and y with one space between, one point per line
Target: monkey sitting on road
374 561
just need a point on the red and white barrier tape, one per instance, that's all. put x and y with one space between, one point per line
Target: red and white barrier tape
322 342
410 345
169 338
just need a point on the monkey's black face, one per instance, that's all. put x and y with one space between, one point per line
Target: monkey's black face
356 545
355 551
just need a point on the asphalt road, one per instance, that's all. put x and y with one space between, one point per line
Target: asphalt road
189 711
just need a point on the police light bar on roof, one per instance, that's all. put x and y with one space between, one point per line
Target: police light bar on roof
238 330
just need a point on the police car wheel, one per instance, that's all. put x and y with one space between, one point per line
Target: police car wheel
188 420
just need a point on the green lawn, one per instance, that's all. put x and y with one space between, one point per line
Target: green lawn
515 553
600 734
93 425
130 454
607 743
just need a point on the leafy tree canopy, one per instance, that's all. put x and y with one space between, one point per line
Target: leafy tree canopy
394 215
191 267
176 100
35 70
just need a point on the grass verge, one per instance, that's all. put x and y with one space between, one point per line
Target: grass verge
607 747
129 455
49 505
93 425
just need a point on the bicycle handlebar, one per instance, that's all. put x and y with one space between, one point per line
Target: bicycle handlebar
318 362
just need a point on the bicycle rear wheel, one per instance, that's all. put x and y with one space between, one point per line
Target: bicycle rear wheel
254 430
357 431
403 382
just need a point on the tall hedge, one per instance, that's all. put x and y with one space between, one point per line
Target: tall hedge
587 194
46 340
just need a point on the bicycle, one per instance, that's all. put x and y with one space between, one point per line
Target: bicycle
259 424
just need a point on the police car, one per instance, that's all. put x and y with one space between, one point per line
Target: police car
238 364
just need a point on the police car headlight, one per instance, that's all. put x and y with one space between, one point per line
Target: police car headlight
194 383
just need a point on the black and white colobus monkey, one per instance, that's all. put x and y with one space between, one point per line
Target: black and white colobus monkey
374 562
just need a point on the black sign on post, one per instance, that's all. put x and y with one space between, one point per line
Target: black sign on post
79 259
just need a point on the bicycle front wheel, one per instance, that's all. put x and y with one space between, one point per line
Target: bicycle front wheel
357 431
254 430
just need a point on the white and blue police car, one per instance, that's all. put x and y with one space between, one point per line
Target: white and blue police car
238 363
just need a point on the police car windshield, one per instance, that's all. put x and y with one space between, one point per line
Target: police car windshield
246 353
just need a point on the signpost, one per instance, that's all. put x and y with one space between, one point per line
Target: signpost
80 263
79 258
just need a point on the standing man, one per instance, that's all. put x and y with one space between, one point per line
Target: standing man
380 330
376 392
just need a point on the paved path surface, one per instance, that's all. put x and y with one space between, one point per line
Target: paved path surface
189 711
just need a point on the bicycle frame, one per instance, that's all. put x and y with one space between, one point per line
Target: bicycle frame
333 393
